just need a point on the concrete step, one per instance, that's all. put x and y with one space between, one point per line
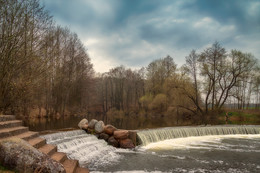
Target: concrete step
48 149
28 135
59 157
70 165
9 124
82 170
37 142
9 132
6 118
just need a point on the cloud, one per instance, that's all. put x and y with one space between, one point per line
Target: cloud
135 32
241 13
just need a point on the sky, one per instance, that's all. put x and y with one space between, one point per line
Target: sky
133 33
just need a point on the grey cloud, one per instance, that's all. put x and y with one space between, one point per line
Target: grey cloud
238 12
135 32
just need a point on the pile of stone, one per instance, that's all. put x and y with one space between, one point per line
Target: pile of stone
116 137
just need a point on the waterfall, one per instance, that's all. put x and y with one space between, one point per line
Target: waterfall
86 148
149 136
57 138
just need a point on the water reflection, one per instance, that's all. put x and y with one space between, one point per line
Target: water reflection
124 122
41 124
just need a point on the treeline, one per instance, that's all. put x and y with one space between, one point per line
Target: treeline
46 67
166 88
41 64
208 82
150 90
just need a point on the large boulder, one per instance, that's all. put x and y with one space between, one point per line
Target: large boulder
112 141
121 134
19 155
92 123
109 129
132 136
126 143
83 124
103 136
99 127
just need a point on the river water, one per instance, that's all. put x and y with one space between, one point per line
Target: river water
213 153
126 122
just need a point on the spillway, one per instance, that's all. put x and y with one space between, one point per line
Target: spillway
86 148
155 135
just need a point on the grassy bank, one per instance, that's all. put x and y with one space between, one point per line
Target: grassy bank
242 117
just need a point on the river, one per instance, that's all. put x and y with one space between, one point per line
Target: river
126 122
238 153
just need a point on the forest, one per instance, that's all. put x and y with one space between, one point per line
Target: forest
45 70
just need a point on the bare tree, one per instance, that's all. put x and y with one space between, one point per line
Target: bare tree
210 60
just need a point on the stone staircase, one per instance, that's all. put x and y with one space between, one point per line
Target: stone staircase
10 127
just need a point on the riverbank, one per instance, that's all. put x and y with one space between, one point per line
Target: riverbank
135 122
240 117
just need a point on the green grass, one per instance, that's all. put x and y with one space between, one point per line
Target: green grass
240 117
242 114
5 170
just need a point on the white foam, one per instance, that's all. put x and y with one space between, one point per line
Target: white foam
62 135
156 135
86 148
200 142
197 170
134 171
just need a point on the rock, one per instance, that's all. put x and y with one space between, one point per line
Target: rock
83 124
99 127
85 127
109 129
126 143
121 134
92 123
103 136
112 141
132 136
19 155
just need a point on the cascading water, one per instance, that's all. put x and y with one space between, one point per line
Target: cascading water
155 135
177 149
84 147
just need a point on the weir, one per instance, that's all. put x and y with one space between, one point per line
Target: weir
155 135
86 148
96 154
